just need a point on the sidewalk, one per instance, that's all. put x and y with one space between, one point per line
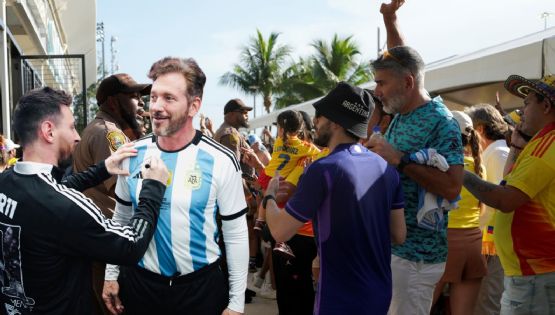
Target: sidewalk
259 305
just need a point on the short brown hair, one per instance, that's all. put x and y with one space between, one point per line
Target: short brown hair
188 67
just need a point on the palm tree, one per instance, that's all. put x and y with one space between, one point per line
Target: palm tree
337 62
331 63
260 67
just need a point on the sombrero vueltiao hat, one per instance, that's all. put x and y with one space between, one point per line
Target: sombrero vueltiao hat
520 86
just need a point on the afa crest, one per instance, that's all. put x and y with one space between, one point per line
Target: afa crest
193 178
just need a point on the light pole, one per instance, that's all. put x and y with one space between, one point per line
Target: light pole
100 38
113 53
254 89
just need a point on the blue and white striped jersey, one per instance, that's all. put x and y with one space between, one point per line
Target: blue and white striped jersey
205 179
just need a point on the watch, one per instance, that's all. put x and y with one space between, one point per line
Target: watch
405 160
265 200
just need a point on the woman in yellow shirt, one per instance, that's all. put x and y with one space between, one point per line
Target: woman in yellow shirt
465 265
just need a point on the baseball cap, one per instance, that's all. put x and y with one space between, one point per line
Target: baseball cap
119 83
235 105
464 121
348 106
10 145
519 86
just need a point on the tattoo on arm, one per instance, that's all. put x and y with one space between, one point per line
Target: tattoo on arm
481 189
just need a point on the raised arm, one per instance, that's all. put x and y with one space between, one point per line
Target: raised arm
389 13
102 171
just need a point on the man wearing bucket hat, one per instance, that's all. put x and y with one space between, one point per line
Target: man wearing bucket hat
117 121
350 195
525 227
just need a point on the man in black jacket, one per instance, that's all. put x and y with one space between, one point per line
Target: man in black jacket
49 231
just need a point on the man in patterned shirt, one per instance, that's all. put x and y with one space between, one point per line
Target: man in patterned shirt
525 226
420 123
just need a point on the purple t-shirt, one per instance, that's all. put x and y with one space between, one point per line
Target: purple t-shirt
349 195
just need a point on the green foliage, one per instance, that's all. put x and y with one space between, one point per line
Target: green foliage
331 63
259 69
262 70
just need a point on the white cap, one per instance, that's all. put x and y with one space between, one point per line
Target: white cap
464 121
10 145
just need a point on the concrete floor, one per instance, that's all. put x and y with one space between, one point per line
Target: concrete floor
259 305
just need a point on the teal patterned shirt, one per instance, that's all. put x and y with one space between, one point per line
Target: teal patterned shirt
428 126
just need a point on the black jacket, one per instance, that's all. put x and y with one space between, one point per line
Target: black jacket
50 233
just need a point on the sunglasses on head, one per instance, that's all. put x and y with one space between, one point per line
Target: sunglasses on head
387 55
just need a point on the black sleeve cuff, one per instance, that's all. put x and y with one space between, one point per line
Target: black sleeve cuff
234 216
123 202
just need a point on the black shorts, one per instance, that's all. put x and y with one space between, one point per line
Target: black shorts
204 291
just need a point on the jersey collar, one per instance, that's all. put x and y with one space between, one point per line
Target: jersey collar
32 168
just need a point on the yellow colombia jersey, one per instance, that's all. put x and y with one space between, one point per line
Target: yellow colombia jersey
467 215
285 158
524 238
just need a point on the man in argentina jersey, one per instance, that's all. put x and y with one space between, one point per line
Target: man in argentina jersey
180 272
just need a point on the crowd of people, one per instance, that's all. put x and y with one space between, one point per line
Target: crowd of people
384 202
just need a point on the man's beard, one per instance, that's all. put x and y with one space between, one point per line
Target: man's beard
323 136
394 104
131 119
174 125
244 124
65 162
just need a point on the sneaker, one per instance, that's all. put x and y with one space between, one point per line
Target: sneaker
258 281
267 292
284 250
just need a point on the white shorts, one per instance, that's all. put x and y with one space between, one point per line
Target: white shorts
413 286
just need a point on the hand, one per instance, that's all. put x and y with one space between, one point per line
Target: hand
390 9
250 158
516 138
273 185
227 311
498 104
113 162
154 168
381 147
285 191
201 122
208 123
110 295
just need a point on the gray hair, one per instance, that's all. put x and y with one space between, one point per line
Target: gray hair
402 60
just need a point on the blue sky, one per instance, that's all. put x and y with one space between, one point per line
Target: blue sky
213 32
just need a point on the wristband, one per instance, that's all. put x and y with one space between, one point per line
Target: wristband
266 198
